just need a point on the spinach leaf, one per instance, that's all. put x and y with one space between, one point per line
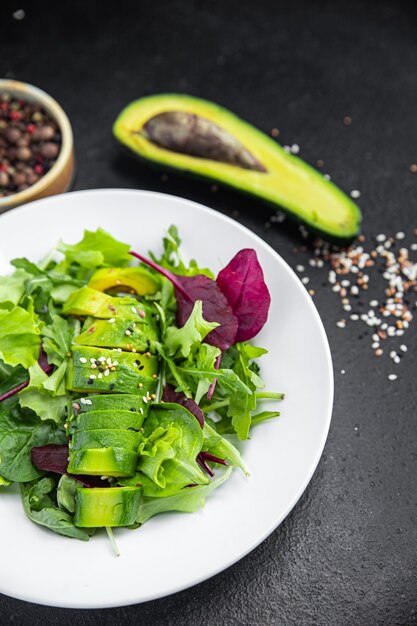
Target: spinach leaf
39 506
20 431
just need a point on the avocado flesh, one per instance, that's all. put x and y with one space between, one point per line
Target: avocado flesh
126 377
127 333
94 420
116 462
105 438
288 182
106 506
89 302
135 279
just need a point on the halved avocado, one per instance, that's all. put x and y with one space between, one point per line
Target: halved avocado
200 137
106 506
131 279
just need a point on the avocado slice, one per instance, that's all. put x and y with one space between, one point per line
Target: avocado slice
130 279
132 333
103 462
105 438
197 136
114 371
90 302
113 402
106 419
106 506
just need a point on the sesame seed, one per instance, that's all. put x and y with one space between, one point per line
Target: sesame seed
100 375
92 376
343 371
327 176
88 401
106 372
355 193
141 411
295 148
378 352
300 268
305 280
354 317
111 320
373 303
403 348
392 376
341 323
396 360
83 401
145 399
380 238
83 359
400 235
413 246
375 345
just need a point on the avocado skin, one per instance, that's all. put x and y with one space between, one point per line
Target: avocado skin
140 336
94 420
105 438
125 379
289 184
106 506
116 462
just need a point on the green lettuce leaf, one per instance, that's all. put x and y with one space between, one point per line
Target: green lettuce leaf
19 337
66 492
40 507
96 249
188 500
58 337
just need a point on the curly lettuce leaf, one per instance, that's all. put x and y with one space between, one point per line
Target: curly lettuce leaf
222 448
187 500
19 337
46 395
182 341
12 287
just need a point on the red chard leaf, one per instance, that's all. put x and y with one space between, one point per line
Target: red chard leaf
170 395
242 282
189 289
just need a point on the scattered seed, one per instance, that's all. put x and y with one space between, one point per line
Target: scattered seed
355 193
392 376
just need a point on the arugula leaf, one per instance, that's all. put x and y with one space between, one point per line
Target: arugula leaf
187 500
182 341
19 337
41 509
20 431
58 337
221 447
95 249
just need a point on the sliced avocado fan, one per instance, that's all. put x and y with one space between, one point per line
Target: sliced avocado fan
197 136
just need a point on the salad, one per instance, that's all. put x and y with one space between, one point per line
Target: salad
125 379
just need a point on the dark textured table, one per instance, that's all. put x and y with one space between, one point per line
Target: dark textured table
347 552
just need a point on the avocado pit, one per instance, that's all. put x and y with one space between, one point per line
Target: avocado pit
197 136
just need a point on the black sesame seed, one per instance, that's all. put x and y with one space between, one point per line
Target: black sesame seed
111 386
90 381
133 409
142 367
148 342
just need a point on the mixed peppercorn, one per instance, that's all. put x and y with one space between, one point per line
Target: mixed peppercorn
30 142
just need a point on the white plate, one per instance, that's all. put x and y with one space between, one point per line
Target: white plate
177 550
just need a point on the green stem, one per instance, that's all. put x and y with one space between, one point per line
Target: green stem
270 395
112 540
215 406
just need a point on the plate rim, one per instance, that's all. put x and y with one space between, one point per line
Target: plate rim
328 409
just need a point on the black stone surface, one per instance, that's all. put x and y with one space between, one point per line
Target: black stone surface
346 555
